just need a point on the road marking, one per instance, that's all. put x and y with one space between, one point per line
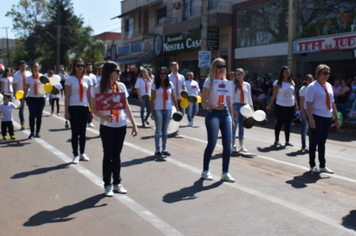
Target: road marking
278 201
154 220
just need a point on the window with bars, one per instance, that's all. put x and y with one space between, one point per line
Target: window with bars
188 9
162 15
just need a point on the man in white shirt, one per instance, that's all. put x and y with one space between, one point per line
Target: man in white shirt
89 70
178 81
19 83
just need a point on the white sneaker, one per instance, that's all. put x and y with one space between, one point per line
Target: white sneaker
119 189
108 191
314 169
91 125
233 148
84 157
242 149
326 170
206 175
227 177
75 160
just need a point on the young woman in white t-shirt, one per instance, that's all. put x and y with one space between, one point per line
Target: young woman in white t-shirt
162 100
286 104
77 99
35 100
143 88
112 127
6 82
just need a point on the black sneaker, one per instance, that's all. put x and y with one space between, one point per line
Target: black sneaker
66 125
158 154
166 153
31 136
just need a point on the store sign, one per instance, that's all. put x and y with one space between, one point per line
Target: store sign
113 54
213 38
137 52
184 41
325 44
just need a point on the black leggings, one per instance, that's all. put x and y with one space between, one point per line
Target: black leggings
284 116
7 125
78 124
52 104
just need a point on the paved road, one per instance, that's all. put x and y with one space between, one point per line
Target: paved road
42 193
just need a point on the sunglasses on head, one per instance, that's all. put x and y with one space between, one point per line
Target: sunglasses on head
79 65
326 73
221 66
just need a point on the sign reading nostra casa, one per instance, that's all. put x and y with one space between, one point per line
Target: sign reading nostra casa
186 40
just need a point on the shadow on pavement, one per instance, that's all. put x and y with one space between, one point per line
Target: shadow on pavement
307 178
270 148
40 171
297 153
62 214
13 143
188 193
141 161
58 130
349 221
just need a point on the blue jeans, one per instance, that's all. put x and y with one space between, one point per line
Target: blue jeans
342 107
21 116
162 118
239 119
180 108
318 138
215 120
192 110
145 104
305 125
35 107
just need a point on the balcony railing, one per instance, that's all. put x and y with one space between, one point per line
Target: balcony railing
143 31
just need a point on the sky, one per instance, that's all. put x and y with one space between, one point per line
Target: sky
96 13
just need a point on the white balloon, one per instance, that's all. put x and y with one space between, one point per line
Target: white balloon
259 115
246 111
173 126
41 89
55 80
16 102
173 110
1 98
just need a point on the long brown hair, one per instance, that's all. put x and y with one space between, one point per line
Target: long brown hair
73 72
280 77
108 68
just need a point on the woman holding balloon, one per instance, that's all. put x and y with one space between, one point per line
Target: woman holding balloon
241 97
35 99
193 90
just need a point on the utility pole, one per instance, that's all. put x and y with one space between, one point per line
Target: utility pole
7 46
58 37
204 35
292 59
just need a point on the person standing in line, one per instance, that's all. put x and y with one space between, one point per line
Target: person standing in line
54 98
193 88
320 104
113 128
6 116
6 83
78 97
303 109
232 76
35 100
143 88
19 83
63 76
89 69
241 96
343 98
178 84
218 117
162 100
286 104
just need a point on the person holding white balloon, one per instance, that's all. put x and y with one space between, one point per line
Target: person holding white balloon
35 99
286 104
241 97
162 100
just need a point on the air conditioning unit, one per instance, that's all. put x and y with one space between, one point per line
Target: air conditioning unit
176 5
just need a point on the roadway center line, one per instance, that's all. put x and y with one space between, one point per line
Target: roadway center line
154 220
301 210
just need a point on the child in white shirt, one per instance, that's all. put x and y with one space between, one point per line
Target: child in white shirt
6 116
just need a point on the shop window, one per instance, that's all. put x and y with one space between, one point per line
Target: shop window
213 4
188 9
162 15
264 23
129 24
325 17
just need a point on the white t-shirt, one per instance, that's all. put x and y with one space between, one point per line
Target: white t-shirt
213 97
141 85
285 97
59 87
18 79
247 94
63 76
122 113
177 88
31 92
98 79
315 93
73 82
159 97
6 111
192 87
6 88
94 80
302 91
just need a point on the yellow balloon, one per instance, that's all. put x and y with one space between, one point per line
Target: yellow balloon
19 94
199 99
48 87
184 103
